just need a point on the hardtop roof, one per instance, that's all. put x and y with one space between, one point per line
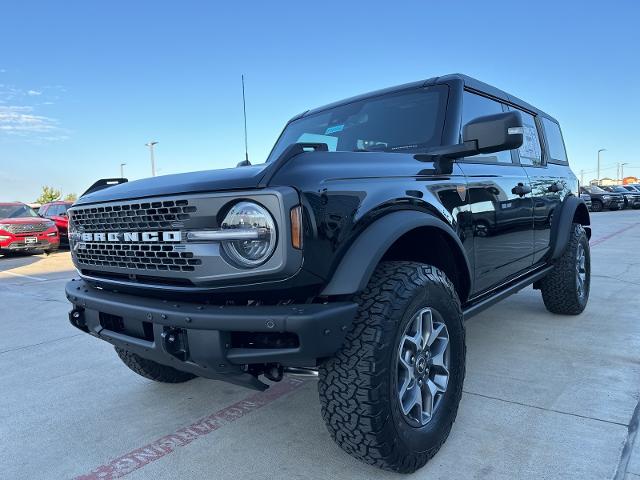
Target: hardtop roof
468 81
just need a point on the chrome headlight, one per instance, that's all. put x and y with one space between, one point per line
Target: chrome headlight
606 197
252 234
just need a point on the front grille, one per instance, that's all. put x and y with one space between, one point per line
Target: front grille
137 256
18 228
133 216
145 241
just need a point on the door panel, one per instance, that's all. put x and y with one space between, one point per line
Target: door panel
502 221
549 186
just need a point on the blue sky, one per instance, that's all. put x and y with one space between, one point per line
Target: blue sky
83 85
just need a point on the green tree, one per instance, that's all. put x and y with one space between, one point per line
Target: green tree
71 197
49 194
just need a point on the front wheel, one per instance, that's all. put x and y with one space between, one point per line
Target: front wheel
565 289
596 206
390 396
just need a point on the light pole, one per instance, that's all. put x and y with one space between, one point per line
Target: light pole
122 170
153 161
622 171
601 150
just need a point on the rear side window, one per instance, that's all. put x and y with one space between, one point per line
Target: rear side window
475 106
530 152
554 138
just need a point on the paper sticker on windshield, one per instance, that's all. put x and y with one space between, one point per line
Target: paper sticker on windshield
334 129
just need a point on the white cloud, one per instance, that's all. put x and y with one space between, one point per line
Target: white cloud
19 117
20 120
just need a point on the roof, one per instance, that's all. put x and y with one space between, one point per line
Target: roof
468 82
6 204
59 202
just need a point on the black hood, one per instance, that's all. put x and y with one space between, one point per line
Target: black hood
239 178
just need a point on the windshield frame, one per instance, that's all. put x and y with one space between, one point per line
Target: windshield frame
438 131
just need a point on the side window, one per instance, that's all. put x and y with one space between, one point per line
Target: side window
43 211
530 152
554 139
474 106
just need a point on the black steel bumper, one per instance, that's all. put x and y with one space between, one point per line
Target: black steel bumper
197 338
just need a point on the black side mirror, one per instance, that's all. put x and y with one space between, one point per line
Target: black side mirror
495 133
488 134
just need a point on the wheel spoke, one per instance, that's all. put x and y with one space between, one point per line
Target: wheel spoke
436 331
429 390
413 398
440 381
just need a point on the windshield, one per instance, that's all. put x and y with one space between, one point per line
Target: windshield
16 211
595 189
619 189
407 121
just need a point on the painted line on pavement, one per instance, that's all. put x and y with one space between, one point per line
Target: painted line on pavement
598 241
40 279
140 457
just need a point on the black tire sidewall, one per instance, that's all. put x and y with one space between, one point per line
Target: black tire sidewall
423 439
597 206
584 241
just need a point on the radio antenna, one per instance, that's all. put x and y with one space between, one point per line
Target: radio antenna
244 109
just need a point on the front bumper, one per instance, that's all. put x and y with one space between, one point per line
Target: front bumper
43 242
203 334
614 204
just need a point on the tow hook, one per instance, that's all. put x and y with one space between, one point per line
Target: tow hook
174 341
274 372
76 317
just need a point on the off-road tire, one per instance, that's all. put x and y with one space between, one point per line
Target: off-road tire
357 386
559 288
596 206
152 370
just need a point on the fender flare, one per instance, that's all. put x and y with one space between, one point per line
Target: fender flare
562 221
364 254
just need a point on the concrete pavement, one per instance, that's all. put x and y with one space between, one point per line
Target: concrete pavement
545 396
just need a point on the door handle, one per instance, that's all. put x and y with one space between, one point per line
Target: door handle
555 187
521 189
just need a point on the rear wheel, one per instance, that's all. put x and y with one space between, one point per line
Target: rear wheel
152 370
566 289
390 396
596 206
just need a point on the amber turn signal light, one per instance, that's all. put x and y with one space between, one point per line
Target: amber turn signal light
296 227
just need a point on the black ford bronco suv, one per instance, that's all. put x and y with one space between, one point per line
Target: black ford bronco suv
374 229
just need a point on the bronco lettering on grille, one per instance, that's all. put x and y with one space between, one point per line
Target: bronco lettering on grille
175 236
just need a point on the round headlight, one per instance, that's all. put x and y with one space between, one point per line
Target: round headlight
258 224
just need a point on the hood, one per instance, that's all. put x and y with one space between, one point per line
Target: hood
22 220
239 178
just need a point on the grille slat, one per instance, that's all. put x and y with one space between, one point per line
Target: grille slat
26 227
136 216
132 256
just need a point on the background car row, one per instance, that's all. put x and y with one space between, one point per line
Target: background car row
23 230
616 197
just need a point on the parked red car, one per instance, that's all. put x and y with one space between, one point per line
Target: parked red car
22 229
57 211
